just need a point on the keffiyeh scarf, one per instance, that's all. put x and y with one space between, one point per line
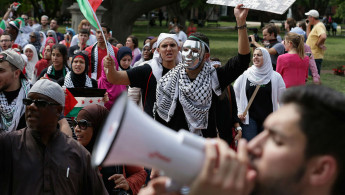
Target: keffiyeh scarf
68 83
195 97
51 70
11 114
94 58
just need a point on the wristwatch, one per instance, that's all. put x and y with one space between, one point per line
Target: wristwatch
238 129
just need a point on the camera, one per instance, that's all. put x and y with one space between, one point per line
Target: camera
256 36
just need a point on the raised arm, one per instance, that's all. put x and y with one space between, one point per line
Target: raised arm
113 76
241 16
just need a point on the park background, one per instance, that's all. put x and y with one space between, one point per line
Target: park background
140 18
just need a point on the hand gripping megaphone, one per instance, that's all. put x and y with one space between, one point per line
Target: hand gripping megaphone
129 136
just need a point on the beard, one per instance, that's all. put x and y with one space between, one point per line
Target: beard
285 185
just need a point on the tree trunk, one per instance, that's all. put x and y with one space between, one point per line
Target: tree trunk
122 14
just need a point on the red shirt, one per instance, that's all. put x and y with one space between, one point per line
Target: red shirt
101 54
41 65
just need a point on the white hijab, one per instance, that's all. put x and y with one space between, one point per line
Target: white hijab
156 62
43 41
262 75
30 67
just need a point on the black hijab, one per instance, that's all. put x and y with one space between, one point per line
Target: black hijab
79 79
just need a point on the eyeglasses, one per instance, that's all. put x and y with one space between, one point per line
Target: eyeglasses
38 103
3 57
83 124
5 40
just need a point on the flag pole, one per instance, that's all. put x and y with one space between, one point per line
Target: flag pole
99 26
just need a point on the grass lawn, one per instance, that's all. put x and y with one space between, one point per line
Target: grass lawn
223 42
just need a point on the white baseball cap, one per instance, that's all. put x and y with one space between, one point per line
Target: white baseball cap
313 13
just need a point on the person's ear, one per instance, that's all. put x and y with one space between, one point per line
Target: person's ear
323 170
17 73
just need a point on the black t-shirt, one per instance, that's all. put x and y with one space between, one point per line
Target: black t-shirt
262 105
139 77
226 74
10 96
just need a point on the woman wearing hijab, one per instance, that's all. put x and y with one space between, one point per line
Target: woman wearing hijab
87 125
51 33
267 98
123 61
35 40
31 54
146 77
68 37
77 77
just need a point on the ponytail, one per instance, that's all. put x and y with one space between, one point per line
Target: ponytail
297 43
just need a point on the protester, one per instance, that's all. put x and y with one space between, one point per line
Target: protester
77 77
267 98
182 37
52 33
316 37
146 77
123 61
273 47
68 37
289 24
30 52
5 41
13 29
43 39
132 43
54 27
185 96
293 66
84 24
98 51
44 24
13 88
59 68
291 156
87 126
40 158
45 61
191 28
35 40
83 36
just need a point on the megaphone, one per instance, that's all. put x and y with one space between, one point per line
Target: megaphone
129 136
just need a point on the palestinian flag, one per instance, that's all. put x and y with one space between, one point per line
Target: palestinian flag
78 98
16 5
88 8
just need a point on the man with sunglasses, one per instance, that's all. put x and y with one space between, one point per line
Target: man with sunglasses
40 158
13 88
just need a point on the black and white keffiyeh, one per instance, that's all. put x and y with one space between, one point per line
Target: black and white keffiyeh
94 58
195 97
51 70
11 114
68 83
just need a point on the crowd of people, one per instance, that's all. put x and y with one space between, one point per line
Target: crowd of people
177 81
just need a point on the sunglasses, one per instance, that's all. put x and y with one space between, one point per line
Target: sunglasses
83 124
50 36
81 51
38 103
